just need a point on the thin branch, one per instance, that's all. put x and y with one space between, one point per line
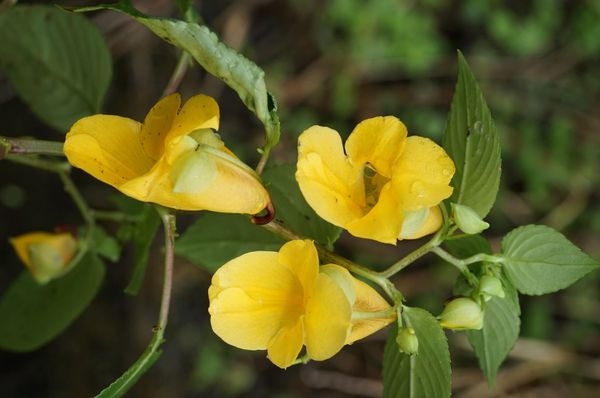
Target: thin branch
168 221
178 74
30 146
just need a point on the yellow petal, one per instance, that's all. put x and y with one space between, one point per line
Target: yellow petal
329 183
378 141
199 112
431 224
327 319
286 345
107 147
157 124
232 190
342 278
301 257
422 174
367 300
382 223
252 298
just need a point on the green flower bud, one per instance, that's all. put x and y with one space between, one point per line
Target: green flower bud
490 286
461 314
467 220
407 341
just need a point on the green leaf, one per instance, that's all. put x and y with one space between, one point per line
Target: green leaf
57 61
426 374
144 231
105 245
128 379
472 142
540 260
32 314
292 209
501 325
238 72
216 238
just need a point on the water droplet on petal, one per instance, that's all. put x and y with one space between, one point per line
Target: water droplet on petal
418 188
446 172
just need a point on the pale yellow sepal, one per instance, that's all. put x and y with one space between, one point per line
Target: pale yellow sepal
384 177
162 162
46 255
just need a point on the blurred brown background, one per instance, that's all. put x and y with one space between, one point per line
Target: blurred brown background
335 63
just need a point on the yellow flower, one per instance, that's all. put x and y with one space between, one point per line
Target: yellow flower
281 301
46 255
387 187
174 158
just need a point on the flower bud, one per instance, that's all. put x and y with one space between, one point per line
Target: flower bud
461 314
46 255
490 286
467 220
407 340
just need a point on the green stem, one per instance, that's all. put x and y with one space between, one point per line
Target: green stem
262 161
115 216
178 74
38 163
24 146
169 226
462 264
413 256
81 204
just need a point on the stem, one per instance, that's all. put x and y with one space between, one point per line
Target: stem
413 256
31 146
178 74
115 216
72 190
462 264
38 163
262 162
168 221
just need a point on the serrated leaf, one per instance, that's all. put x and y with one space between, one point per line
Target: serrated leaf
57 61
119 387
472 142
216 238
238 72
426 374
32 314
292 209
540 260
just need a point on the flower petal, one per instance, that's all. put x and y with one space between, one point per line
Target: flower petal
367 300
107 147
382 223
327 319
329 183
301 257
199 112
422 174
157 124
252 298
378 141
232 190
286 345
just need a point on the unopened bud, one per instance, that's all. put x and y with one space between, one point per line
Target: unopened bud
490 286
461 314
407 340
467 220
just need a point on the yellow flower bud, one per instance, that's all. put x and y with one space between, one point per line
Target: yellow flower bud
462 313
407 340
46 255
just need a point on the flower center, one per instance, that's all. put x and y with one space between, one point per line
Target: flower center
373 182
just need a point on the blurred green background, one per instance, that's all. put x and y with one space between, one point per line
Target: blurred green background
336 63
